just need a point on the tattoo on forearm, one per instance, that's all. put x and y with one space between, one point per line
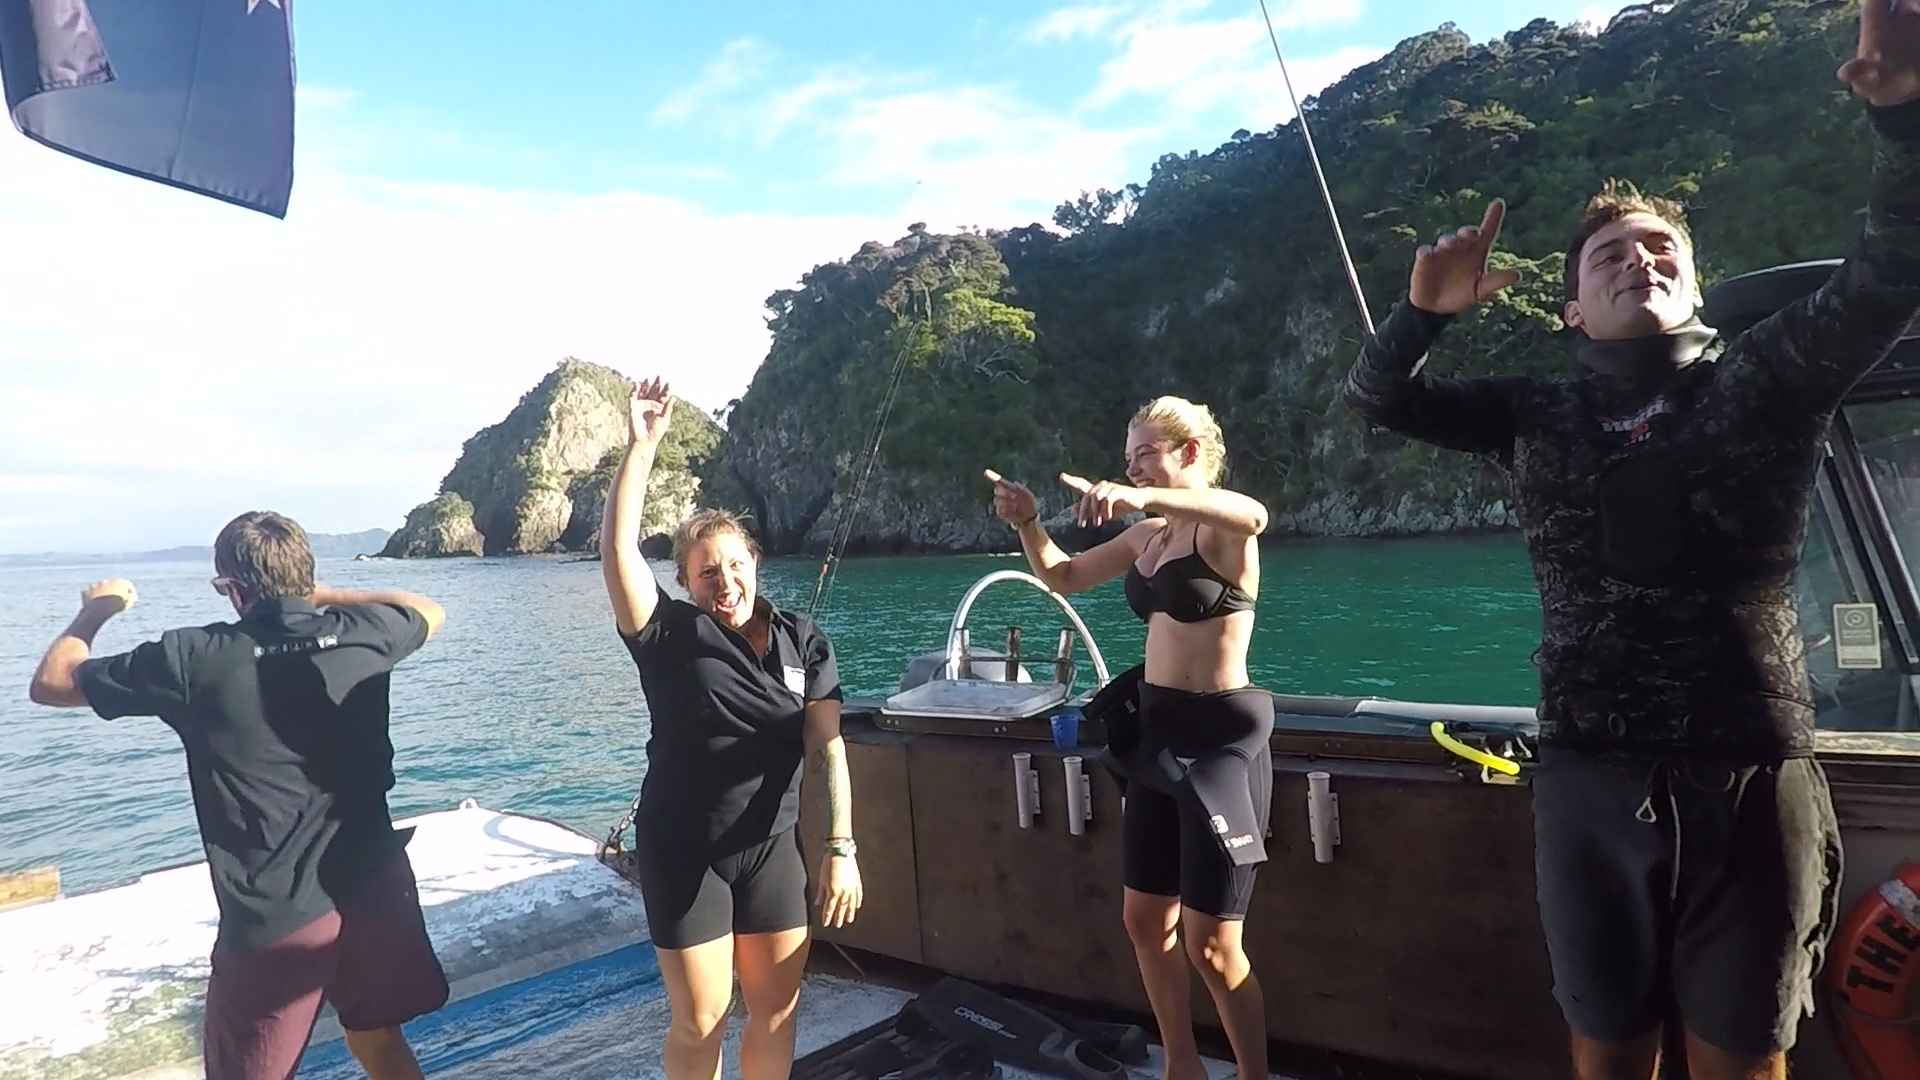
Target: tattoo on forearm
831 761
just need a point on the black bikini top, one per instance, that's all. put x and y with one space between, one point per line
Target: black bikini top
1186 588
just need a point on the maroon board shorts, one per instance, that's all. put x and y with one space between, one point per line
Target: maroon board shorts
371 958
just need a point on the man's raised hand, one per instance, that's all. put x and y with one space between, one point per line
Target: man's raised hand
1451 275
1885 68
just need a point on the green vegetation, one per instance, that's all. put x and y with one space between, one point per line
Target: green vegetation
673 486
1218 278
940 304
537 480
441 511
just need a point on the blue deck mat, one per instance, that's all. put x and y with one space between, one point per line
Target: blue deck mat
514 1014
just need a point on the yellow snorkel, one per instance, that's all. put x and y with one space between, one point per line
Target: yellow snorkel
1479 757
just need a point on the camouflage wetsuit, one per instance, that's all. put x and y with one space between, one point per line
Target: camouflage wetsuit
1664 496
1665 518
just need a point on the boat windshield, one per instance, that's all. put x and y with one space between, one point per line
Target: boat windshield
1851 589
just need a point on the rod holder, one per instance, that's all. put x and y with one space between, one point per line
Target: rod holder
1026 789
1323 816
1079 794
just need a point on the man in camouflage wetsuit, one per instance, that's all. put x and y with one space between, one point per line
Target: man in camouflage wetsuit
1687 850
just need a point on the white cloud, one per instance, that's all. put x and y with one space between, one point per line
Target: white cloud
956 155
977 155
787 107
984 155
202 357
1195 64
739 60
1597 16
1267 91
46 484
1067 23
167 359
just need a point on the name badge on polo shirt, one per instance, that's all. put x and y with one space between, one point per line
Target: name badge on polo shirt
796 680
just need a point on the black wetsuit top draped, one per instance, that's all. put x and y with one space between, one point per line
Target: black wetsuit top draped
1185 588
1665 515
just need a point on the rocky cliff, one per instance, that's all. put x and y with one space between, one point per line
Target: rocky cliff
439 527
536 481
988 382
1217 279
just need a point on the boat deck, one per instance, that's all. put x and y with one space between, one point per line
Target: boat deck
547 950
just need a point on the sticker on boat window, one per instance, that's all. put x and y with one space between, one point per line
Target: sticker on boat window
797 680
1856 637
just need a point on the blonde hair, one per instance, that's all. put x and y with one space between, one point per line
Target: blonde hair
702 524
1181 420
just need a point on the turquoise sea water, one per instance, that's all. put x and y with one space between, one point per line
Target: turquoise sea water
527 701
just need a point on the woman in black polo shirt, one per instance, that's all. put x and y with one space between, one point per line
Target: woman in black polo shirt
739 692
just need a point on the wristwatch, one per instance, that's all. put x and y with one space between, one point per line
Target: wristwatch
841 845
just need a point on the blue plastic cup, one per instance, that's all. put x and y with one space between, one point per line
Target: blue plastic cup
1066 728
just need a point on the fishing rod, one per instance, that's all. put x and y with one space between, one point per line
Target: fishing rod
843 529
1326 194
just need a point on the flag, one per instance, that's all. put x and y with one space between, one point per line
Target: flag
193 93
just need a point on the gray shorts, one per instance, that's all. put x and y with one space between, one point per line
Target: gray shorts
1673 883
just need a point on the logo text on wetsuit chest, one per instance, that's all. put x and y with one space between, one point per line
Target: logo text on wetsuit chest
1639 425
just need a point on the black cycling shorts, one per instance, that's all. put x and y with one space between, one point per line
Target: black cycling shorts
692 898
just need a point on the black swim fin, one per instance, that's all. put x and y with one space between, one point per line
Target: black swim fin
902 1047
1126 1043
1014 1033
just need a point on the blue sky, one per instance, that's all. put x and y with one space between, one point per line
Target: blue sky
485 188
746 108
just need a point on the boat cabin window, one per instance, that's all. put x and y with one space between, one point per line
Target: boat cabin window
1854 654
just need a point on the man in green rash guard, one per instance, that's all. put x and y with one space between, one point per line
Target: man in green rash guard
1685 837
